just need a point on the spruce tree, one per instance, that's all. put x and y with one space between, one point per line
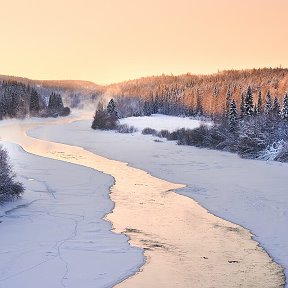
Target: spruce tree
259 104
242 106
255 113
228 102
147 111
285 107
111 107
156 104
34 101
55 103
248 105
276 107
268 104
233 116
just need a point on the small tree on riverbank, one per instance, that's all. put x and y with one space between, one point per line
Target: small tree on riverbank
9 187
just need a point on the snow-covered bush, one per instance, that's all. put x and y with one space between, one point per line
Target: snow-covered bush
124 128
9 187
274 150
196 137
282 155
149 131
163 134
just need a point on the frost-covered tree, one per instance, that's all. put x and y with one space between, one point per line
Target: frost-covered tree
147 110
34 106
242 106
255 113
111 106
10 188
285 107
233 116
259 104
228 102
268 104
276 107
55 102
248 105
156 104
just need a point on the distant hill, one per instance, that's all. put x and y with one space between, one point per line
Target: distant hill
60 84
75 93
169 94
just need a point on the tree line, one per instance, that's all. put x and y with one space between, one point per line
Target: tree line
18 100
192 95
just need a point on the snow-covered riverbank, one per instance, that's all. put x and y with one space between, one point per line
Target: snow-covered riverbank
55 235
250 193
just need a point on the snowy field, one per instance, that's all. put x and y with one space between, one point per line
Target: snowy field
55 235
247 192
159 122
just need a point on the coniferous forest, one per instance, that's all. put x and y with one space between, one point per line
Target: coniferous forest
18 100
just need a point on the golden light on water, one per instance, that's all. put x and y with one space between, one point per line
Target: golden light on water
110 41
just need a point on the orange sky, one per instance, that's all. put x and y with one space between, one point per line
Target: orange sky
108 41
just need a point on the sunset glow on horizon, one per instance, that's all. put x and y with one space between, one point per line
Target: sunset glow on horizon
111 41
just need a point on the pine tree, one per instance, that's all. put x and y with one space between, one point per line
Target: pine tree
259 104
147 109
255 113
248 105
233 116
268 104
156 104
285 107
111 106
199 109
55 102
242 106
276 107
228 102
34 101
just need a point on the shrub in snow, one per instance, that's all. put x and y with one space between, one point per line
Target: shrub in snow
124 128
250 146
195 137
9 187
272 151
253 137
173 136
282 155
66 111
163 134
149 131
222 138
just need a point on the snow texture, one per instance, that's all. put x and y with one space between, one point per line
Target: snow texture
251 193
55 235
161 122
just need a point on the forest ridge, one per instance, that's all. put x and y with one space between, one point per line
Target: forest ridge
184 94
203 94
